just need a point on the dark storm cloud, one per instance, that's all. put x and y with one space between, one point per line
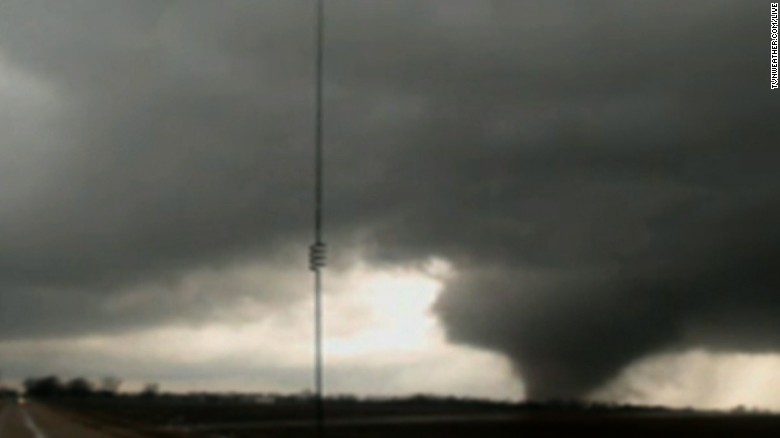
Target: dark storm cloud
174 130
601 175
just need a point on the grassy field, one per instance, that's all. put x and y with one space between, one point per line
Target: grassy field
171 418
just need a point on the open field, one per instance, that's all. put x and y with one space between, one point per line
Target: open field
162 418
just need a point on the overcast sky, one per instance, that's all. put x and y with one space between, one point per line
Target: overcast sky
545 199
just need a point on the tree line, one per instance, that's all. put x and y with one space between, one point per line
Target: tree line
78 387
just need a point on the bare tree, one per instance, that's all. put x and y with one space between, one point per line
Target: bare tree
150 390
109 385
43 386
79 387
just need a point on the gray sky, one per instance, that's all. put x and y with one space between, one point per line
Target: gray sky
599 179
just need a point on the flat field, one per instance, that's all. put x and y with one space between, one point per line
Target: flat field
163 418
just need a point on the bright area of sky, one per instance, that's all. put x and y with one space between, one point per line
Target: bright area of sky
381 340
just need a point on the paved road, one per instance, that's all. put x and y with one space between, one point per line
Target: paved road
35 421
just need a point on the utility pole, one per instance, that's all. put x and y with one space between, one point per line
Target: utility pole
317 250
